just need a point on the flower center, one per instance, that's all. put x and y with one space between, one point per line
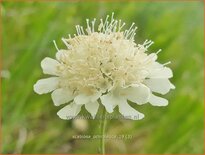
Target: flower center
100 62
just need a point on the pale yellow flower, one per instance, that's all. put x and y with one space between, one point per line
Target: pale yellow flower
104 65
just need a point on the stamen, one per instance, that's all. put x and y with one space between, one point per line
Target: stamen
166 63
78 29
110 26
158 51
76 39
131 32
101 25
55 45
121 26
115 26
105 24
88 29
66 43
147 43
93 25
112 16
131 26
82 30
132 36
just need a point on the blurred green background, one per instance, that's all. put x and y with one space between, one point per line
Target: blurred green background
29 121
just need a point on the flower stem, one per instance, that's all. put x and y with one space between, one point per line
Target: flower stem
103 127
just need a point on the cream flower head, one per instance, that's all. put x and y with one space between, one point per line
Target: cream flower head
104 66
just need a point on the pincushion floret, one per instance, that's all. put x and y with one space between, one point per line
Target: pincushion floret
104 66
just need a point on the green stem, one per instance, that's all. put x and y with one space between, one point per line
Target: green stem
103 127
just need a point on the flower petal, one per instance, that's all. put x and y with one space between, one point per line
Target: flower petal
61 96
161 86
49 66
153 56
47 85
157 101
92 108
95 96
82 99
160 72
138 94
172 86
128 112
109 101
70 111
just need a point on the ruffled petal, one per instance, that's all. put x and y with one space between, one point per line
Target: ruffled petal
82 99
109 101
92 108
161 86
157 101
61 96
70 111
128 112
138 94
49 66
47 85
